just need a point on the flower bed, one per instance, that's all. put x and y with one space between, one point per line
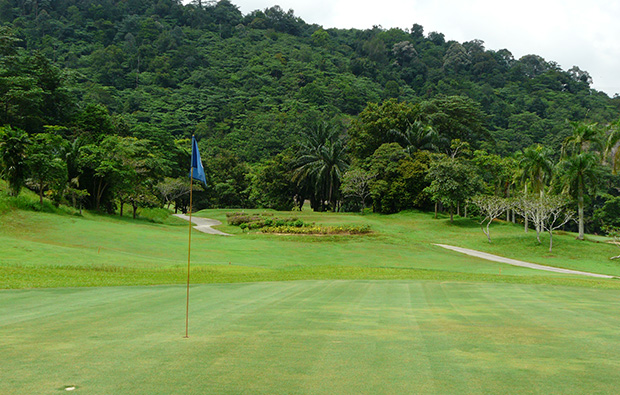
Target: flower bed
267 223
318 230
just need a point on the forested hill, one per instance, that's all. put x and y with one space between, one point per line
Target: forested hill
250 83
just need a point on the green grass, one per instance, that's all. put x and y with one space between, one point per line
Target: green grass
387 312
54 250
319 337
51 250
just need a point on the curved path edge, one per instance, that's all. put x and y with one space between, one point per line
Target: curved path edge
514 262
204 224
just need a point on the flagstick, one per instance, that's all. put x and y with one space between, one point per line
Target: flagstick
189 249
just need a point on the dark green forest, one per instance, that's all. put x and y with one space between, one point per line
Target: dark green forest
98 100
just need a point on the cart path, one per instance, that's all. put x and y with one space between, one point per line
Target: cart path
204 224
515 262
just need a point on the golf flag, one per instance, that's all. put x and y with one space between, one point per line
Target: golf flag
197 171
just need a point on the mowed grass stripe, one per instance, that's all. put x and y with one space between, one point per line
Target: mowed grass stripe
312 337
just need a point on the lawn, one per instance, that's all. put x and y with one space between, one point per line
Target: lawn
98 303
52 250
314 337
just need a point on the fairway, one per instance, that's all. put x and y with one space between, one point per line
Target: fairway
98 303
312 337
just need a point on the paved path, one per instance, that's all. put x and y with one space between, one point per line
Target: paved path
514 262
204 224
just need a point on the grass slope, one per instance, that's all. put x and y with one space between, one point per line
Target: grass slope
312 337
51 250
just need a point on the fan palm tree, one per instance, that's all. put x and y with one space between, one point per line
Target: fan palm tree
579 174
322 161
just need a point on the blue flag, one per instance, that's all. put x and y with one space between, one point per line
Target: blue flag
197 172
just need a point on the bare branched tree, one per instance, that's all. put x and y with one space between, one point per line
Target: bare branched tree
491 207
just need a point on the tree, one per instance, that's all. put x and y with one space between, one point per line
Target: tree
579 174
170 189
417 136
611 147
102 164
491 207
356 183
372 126
555 215
548 213
14 145
322 160
585 137
452 181
399 180
536 167
139 171
47 167
271 184
455 117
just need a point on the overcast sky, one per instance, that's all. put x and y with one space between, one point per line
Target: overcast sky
569 32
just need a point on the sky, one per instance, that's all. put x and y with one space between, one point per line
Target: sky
569 32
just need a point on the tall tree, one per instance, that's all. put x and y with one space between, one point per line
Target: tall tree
453 181
579 176
611 147
14 145
585 137
322 160
417 136
48 171
356 183
536 167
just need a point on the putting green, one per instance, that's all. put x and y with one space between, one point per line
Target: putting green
312 337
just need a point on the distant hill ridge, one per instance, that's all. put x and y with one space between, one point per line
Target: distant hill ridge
250 83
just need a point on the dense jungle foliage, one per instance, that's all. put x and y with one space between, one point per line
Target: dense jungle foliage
98 100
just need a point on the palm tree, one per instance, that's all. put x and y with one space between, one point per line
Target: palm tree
322 161
585 137
580 173
612 147
417 136
536 167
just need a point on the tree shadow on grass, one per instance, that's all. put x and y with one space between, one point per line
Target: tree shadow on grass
467 223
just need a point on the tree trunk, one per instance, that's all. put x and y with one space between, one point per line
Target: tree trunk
525 216
451 214
550 240
487 232
580 210
436 203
